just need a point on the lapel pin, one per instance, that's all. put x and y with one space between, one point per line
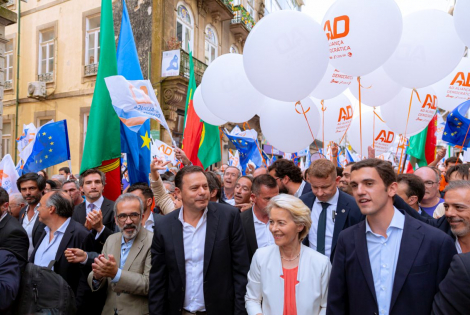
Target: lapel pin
343 211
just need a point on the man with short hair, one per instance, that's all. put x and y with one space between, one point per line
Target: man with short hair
65 171
289 178
231 176
215 187
31 186
345 178
458 172
372 272
73 190
124 265
243 193
457 212
256 220
431 178
199 258
260 171
16 203
411 190
143 191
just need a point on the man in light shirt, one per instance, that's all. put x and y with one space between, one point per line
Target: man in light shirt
231 176
143 191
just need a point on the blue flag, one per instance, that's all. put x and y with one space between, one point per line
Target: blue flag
248 150
135 144
50 147
457 126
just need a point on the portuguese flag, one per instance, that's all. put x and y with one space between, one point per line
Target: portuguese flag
423 145
201 141
103 143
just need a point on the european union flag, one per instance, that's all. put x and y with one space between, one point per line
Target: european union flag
248 150
457 126
51 147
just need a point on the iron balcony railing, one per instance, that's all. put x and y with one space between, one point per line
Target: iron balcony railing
242 16
46 77
8 85
91 69
199 67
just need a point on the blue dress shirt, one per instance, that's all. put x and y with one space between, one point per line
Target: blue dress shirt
383 257
48 250
125 249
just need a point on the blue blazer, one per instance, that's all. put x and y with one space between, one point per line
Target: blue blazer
347 214
424 259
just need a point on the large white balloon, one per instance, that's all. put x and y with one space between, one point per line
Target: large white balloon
461 20
332 84
203 112
363 34
227 92
376 88
338 114
285 127
422 110
428 51
286 55
455 88
381 136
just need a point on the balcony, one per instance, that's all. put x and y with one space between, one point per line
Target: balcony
46 77
221 10
199 67
8 85
242 22
91 69
7 3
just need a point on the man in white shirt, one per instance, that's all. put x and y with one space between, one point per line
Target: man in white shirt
231 176
289 178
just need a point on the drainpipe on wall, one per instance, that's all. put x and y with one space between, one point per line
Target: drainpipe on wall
17 79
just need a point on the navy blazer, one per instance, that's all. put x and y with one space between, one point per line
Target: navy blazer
424 258
347 214
307 189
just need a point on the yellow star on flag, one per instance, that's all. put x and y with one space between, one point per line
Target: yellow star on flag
43 133
50 150
456 118
40 161
50 137
445 133
146 140
52 143
46 156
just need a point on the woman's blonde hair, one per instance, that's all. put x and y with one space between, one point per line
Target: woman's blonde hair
299 211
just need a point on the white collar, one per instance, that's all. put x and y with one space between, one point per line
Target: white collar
201 220
98 203
298 193
332 201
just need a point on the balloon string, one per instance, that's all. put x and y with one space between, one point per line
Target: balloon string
305 116
221 142
323 108
402 147
464 139
360 114
406 127
246 124
373 131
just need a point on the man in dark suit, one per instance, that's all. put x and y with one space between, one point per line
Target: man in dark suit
10 278
332 209
199 257
411 189
289 178
454 291
61 232
31 186
372 272
255 221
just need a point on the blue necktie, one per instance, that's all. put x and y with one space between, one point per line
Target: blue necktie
322 228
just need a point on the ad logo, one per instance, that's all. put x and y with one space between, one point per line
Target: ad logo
332 33
384 137
345 113
460 79
430 102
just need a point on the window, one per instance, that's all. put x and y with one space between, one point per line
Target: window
46 52
184 27
211 44
233 49
86 118
9 64
179 128
6 138
250 8
92 41
276 6
268 4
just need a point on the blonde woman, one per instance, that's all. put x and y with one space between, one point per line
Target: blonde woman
288 278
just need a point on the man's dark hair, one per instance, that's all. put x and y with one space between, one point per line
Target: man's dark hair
453 160
3 196
339 171
457 184
185 171
40 181
63 205
214 183
415 185
89 172
350 163
283 167
143 187
460 169
384 169
263 180
65 169
52 183
247 177
71 181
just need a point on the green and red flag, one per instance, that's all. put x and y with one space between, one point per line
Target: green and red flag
423 145
103 143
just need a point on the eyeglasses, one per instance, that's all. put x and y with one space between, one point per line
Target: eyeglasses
429 184
123 217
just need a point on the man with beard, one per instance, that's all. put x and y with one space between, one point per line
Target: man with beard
289 178
231 176
457 205
124 265
243 193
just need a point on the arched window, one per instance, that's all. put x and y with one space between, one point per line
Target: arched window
211 44
185 27
234 49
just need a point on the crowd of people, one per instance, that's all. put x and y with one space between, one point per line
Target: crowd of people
352 240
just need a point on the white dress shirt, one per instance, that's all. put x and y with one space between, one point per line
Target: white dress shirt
148 225
457 246
48 250
3 215
194 240
28 225
264 237
330 223
298 193
96 205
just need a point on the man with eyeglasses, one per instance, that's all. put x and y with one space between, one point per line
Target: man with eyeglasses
431 199
124 265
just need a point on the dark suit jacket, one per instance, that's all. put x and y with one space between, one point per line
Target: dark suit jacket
454 291
225 264
38 227
424 258
14 238
10 278
250 234
347 214
74 236
307 189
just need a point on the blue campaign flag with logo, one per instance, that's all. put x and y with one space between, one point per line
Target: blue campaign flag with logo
248 150
455 131
135 144
50 147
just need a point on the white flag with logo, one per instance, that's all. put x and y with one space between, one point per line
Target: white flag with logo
163 151
8 174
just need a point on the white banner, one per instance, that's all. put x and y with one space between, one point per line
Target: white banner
8 174
171 61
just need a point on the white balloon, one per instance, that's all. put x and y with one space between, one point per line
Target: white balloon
286 55
203 112
428 51
332 84
338 116
376 88
422 110
381 136
461 20
362 34
285 127
227 92
454 89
